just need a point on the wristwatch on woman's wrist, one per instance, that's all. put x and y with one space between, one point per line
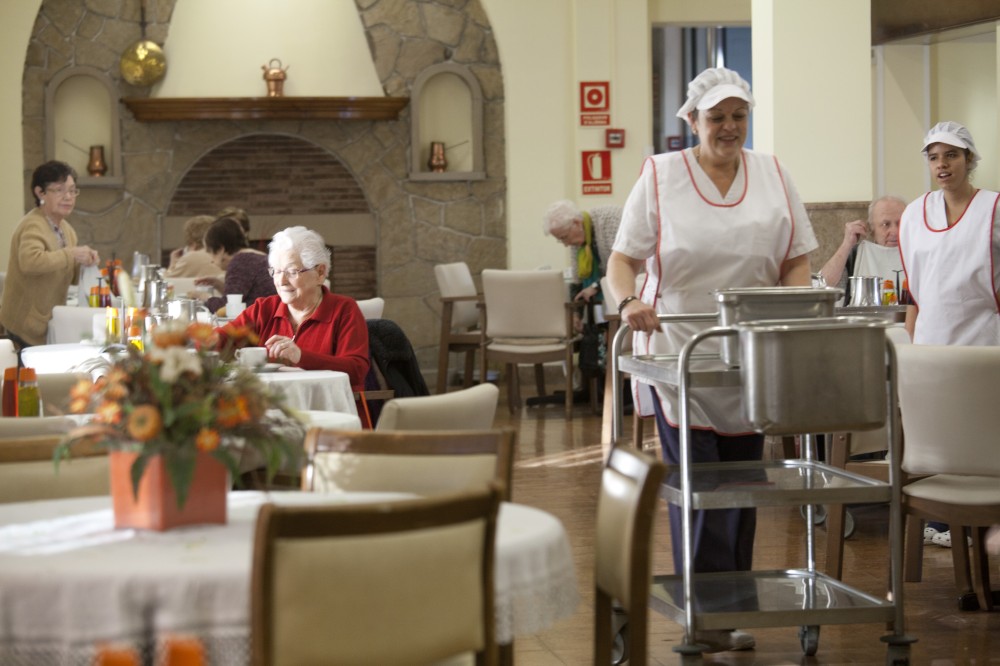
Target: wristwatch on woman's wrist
626 301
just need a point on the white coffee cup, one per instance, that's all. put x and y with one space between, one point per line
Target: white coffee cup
234 305
252 357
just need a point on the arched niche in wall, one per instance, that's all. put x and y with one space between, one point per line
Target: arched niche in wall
81 115
446 107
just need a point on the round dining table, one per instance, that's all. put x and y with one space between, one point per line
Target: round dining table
71 584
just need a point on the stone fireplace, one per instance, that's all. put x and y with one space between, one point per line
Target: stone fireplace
349 178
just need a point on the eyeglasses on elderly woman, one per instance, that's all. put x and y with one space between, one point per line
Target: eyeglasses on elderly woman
290 272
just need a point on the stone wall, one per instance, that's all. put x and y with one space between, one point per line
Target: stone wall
419 224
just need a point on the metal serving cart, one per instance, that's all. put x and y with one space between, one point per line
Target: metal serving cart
773 361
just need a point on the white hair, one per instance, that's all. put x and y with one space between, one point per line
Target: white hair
308 244
560 216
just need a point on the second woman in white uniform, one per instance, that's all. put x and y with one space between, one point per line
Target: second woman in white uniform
949 240
712 217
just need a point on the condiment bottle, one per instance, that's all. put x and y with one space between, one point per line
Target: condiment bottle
94 299
904 294
10 391
29 402
888 293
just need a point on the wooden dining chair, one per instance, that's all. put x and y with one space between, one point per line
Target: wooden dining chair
626 505
27 470
459 320
383 583
526 319
948 403
467 409
421 462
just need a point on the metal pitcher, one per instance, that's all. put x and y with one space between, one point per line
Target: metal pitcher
185 309
866 291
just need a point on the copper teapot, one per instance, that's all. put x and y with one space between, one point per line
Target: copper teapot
274 76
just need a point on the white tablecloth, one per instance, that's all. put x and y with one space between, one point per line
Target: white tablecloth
62 357
68 580
322 390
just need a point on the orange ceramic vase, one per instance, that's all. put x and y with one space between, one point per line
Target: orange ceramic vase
155 508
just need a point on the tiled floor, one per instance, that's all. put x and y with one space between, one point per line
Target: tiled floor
558 470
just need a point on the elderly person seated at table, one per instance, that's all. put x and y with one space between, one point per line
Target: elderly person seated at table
192 260
858 257
306 325
246 269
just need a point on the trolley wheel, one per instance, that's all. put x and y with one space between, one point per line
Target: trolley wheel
898 655
848 524
809 638
819 513
619 645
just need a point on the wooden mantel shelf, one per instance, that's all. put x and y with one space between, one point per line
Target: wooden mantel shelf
155 109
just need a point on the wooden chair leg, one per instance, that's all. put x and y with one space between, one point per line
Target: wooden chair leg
513 388
981 568
837 455
636 428
540 379
913 552
602 628
442 378
569 393
960 562
470 364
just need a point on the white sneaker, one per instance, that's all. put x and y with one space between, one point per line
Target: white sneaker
943 539
929 534
722 640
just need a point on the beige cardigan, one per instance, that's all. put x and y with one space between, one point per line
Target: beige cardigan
39 274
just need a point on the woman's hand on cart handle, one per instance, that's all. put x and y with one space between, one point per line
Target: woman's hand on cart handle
640 316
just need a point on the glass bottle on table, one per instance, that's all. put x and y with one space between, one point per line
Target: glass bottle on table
29 401
10 391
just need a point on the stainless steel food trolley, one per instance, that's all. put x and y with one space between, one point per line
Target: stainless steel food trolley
801 597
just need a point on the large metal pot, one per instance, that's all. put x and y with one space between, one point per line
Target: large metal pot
813 375
762 303
866 291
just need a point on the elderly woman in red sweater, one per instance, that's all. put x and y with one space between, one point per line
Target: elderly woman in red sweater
306 325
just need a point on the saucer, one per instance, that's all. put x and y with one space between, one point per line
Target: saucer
269 367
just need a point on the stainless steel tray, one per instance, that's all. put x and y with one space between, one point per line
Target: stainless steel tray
746 599
771 483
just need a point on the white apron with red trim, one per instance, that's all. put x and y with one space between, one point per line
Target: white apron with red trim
707 242
952 272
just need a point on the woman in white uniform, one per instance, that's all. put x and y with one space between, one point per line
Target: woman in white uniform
711 217
949 240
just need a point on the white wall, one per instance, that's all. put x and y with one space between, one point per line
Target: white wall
17 18
543 61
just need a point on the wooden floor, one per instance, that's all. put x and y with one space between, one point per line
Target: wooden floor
558 469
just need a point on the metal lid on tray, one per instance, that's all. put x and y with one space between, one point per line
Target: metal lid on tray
813 324
738 294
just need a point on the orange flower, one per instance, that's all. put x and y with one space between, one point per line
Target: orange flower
109 412
168 336
207 439
232 412
117 375
115 391
242 335
203 335
82 390
144 423
79 405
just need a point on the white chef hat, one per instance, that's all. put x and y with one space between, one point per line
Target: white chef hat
711 87
953 134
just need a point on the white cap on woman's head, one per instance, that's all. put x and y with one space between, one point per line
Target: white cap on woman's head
953 134
711 87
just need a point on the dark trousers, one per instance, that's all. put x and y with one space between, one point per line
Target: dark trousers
722 539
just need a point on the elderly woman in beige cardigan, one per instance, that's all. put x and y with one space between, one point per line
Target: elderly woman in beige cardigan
44 256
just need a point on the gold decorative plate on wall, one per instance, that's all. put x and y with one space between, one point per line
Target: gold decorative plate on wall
143 63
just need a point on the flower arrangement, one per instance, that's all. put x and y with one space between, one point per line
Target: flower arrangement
179 397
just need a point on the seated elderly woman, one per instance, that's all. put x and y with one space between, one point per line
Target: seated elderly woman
246 268
306 325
